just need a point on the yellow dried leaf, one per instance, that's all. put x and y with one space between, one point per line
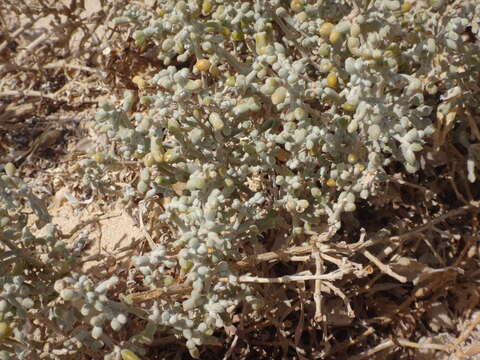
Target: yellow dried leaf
331 182
139 81
203 64
128 355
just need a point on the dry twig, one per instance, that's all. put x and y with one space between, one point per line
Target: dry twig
384 268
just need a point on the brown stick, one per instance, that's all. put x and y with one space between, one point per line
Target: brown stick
317 296
334 275
17 33
384 268
29 93
467 332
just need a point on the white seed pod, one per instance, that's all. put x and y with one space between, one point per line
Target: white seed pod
86 310
352 126
156 149
350 197
424 110
350 65
300 114
409 155
300 135
299 67
202 270
349 207
145 174
202 327
471 170
68 294
253 104
219 322
301 206
99 306
171 155
431 46
27 303
168 44
196 135
241 109
374 132
198 287
207 46
292 79
97 332
357 187
309 144
436 4
342 27
331 94
202 249
411 136
267 89
240 81
140 260
3 305
195 182
106 284
325 66
290 205
353 45
262 73
173 319
271 59
280 180
150 193
279 95
91 296
392 5
415 147
115 325
183 57
193 85
414 86
216 121
324 50
188 305
355 29
353 97
181 77
210 213
216 308
155 316
316 192
364 194
284 72
10 169
411 168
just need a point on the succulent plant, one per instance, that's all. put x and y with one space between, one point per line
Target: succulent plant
269 115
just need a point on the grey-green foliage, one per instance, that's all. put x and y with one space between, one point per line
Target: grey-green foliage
313 113
29 265
40 280
289 115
